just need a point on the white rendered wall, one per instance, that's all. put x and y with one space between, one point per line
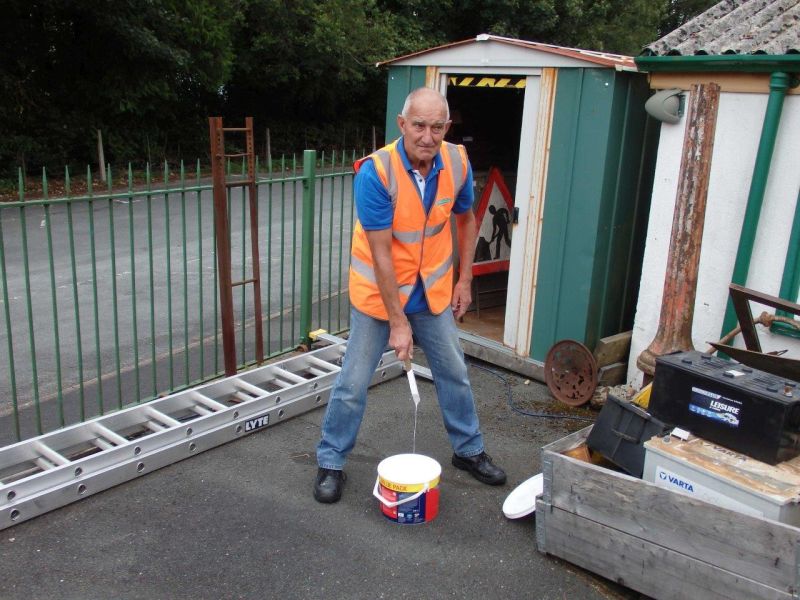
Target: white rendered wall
738 130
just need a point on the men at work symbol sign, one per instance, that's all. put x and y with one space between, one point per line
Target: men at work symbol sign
493 220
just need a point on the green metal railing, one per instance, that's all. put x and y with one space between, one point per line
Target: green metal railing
110 297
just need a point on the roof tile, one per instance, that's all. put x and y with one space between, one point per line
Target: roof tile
736 27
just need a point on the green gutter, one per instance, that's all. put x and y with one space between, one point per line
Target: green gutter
749 63
778 85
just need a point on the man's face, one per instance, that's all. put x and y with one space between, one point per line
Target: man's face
423 129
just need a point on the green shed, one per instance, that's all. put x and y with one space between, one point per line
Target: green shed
559 138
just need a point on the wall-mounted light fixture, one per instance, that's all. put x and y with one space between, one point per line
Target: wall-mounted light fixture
666 105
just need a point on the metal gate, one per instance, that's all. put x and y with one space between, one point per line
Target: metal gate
110 297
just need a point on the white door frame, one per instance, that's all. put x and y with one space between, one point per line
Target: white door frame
528 198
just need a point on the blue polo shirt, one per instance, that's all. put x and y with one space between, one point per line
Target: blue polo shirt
375 211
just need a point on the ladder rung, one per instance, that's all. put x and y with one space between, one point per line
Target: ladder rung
289 375
202 410
50 454
161 417
249 387
239 155
242 396
155 426
239 182
235 129
44 464
104 432
102 444
243 282
329 368
209 402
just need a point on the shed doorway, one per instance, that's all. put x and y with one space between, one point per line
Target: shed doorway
487 112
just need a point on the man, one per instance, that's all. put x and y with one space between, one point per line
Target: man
401 283
500 221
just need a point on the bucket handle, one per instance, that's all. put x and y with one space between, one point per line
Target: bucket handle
388 503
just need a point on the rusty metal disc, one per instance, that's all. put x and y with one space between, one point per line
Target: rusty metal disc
570 372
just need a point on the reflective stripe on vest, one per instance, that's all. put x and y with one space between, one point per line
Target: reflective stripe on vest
421 244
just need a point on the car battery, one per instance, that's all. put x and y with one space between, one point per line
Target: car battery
724 478
743 409
620 432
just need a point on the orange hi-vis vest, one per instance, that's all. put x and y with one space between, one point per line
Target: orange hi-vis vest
422 244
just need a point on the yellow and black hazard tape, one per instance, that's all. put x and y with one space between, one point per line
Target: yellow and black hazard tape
488 82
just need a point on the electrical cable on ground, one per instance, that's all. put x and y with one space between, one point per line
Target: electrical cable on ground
510 399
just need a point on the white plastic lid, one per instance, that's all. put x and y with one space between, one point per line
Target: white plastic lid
409 469
522 501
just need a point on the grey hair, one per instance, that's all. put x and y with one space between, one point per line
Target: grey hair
423 90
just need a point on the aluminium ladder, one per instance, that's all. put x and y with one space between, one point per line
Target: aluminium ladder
55 469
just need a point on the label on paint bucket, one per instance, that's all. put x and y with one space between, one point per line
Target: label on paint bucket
418 510
413 477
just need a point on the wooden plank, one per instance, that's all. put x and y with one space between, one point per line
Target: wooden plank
641 565
573 440
613 349
613 374
755 548
756 83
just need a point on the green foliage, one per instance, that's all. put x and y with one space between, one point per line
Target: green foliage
681 11
618 26
621 26
148 73
309 63
132 69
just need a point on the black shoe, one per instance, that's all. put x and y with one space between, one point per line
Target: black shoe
481 468
328 485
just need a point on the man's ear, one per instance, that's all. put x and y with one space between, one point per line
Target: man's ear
400 122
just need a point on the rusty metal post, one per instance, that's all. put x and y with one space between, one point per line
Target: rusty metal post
680 281
223 243
252 190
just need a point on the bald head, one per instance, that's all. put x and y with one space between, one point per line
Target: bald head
424 122
425 95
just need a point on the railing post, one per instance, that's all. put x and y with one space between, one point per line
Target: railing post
223 243
307 256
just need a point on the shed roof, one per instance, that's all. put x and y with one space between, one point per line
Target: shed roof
604 59
736 27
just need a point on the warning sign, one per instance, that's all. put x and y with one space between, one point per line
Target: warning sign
497 81
493 221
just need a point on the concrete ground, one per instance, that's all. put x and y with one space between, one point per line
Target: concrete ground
239 521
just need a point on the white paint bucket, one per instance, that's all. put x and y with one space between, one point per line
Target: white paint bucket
408 488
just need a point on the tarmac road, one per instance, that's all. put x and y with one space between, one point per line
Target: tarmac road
239 521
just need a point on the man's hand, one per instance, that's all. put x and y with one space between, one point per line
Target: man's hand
401 340
467 235
462 297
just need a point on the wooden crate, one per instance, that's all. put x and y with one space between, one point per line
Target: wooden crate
656 541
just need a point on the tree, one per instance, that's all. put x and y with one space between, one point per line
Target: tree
138 71
311 65
618 26
147 74
681 11
621 26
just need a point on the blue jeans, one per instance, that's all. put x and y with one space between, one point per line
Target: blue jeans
438 338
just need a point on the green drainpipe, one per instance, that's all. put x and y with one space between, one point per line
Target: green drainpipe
791 276
778 85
